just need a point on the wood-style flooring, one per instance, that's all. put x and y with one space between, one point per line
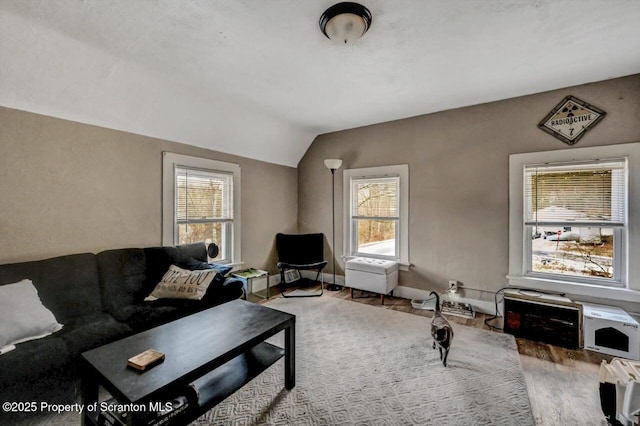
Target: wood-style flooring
562 383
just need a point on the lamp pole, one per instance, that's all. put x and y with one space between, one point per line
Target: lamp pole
333 165
333 286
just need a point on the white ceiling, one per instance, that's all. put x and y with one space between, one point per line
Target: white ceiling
258 79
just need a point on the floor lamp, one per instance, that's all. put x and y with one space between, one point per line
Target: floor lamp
333 165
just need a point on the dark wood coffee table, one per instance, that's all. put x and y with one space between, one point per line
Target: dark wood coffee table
220 349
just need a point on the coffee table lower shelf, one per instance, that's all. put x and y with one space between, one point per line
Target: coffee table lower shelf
214 387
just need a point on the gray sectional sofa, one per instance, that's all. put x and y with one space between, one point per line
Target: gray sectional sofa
98 298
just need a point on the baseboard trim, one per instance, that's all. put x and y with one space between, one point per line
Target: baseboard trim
483 306
403 292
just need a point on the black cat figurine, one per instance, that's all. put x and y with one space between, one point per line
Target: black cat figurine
441 332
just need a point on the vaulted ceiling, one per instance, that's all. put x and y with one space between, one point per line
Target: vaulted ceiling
258 79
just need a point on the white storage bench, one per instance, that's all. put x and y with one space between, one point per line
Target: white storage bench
374 275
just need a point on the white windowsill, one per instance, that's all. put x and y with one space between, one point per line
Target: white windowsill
402 244
576 289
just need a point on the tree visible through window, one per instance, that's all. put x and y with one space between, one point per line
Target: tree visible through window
375 215
575 215
204 208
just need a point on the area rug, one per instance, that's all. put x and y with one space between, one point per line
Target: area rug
365 365
359 364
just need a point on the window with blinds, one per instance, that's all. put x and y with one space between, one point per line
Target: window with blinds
375 215
576 215
204 207
588 194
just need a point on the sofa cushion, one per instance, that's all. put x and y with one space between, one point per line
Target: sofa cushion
122 277
159 259
90 331
31 360
23 317
127 276
145 315
56 279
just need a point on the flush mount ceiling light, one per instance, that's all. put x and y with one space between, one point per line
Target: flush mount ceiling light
345 22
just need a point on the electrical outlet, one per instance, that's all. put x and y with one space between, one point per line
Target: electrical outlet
453 286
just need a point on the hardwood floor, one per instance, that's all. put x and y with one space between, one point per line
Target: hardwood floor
562 383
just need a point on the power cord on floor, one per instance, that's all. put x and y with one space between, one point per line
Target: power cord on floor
497 314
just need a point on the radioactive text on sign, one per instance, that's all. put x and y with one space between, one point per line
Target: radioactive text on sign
571 119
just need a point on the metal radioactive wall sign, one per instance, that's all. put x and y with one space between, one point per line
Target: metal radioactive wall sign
571 119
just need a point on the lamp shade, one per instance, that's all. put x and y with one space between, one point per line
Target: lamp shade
345 22
333 164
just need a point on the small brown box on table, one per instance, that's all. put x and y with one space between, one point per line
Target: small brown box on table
146 360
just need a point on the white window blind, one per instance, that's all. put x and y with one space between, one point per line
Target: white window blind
202 196
376 198
588 194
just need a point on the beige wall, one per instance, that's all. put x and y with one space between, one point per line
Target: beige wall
459 176
67 187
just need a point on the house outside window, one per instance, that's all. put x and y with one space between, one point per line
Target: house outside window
201 203
376 212
576 216
574 221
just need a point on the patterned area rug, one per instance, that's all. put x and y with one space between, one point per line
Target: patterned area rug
359 364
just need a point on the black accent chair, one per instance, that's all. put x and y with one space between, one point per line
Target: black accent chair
300 252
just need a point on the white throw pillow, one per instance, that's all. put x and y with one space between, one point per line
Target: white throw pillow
23 317
179 283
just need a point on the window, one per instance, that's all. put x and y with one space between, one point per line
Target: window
574 221
204 208
201 203
575 214
374 216
377 212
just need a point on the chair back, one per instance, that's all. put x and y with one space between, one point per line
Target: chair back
300 249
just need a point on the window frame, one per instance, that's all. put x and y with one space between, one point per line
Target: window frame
619 231
172 161
625 288
356 218
402 225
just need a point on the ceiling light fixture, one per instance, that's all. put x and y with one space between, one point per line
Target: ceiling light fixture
345 22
